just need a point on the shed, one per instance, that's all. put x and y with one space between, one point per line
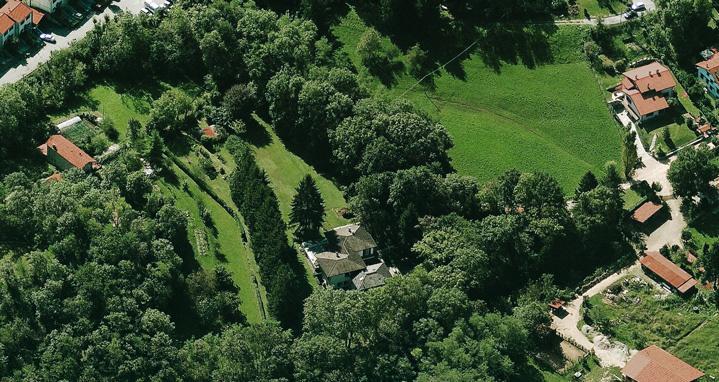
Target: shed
669 272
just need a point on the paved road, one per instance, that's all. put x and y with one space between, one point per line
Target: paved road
26 67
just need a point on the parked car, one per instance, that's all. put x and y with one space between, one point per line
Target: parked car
638 6
98 7
47 37
628 15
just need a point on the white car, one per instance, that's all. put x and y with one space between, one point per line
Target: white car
638 6
47 37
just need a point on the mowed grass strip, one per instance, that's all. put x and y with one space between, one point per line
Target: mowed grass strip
226 241
551 117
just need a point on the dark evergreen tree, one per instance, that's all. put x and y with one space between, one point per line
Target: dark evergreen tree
587 183
308 210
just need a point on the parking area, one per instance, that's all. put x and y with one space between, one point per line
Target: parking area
67 25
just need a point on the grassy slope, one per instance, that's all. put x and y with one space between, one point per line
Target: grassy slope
227 241
285 170
551 118
120 105
113 103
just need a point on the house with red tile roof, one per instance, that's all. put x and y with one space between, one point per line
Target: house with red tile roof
654 364
63 154
708 70
668 272
646 90
15 17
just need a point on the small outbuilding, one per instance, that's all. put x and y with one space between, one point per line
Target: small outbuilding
654 364
646 212
669 273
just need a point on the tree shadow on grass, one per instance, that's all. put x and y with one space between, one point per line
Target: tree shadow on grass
257 134
706 224
527 45
389 72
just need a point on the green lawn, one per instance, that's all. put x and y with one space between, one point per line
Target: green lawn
680 135
631 199
224 245
601 7
549 118
118 105
285 170
685 101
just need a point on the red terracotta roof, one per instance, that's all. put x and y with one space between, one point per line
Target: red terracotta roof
711 65
68 151
209 131
668 271
703 129
19 11
691 258
556 304
646 211
6 23
654 76
653 364
647 102
37 16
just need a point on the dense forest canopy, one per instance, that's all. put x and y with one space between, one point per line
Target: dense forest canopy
93 282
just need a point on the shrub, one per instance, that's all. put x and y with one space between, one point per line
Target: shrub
108 127
607 64
208 167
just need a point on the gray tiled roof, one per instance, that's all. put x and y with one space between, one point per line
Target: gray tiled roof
350 239
374 276
333 263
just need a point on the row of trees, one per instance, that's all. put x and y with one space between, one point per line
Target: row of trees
282 274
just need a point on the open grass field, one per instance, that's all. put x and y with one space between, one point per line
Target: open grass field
685 328
601 7
551 117
223 242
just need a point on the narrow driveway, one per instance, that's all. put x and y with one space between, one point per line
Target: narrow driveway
670 232
653 170
567 327
14 74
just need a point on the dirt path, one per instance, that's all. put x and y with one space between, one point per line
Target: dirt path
567 328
